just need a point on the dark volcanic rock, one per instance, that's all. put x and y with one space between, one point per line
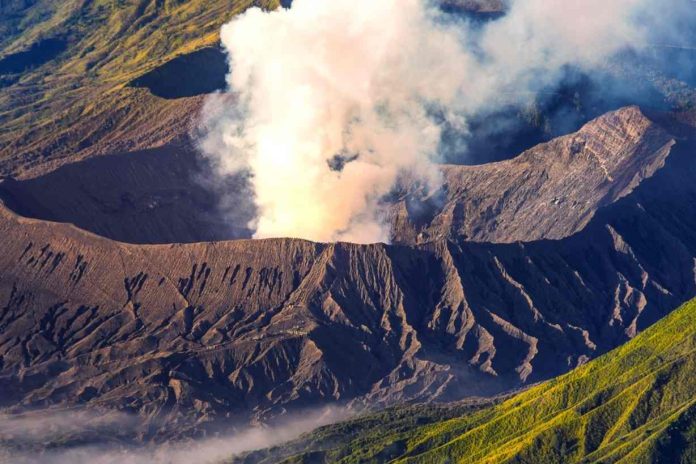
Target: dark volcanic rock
204 332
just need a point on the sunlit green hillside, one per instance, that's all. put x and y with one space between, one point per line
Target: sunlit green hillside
64 66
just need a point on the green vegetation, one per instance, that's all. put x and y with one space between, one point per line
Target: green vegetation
115 40
636 404
78 103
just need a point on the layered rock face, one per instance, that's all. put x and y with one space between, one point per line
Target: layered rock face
201 332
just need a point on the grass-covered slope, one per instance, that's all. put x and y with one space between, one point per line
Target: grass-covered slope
636 404
65 66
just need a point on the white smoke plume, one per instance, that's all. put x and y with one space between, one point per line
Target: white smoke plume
335 100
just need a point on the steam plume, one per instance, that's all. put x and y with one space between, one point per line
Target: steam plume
336 100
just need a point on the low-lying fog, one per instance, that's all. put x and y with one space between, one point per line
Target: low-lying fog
91 437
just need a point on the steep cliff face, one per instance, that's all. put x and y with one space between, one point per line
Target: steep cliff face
200 332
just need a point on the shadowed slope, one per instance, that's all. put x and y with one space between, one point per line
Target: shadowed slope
149 196
196 73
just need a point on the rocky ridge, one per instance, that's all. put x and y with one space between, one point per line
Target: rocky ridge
549 192
250 329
